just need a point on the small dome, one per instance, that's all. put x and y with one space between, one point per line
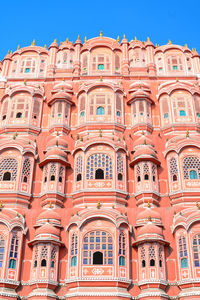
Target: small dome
60 142
145 214
54 44
143 140
47 229
150 230
49 214
56 151
145 151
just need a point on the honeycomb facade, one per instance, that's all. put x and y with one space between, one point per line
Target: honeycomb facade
100 171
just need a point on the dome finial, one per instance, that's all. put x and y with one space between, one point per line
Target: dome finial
148 39
101 33
148 204
45 46
124 36
18 47
85 39
33 43
98 204
170 42
135 38
50 204
198 205
55 41
1 205
187 133
67 40
78 37
186 46
118 39
149 218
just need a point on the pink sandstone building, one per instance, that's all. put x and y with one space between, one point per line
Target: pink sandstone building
100 171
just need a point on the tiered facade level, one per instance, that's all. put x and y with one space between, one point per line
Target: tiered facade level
100 171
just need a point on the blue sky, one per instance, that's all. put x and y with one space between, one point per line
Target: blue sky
24 20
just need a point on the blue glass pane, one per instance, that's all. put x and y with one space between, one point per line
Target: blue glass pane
166 115
118 113
27 70
101 67
182 113
193 174
184 263
85 261
85 246
196 263
122 261
82 114
100 110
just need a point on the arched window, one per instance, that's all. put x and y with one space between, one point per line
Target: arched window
120 167
118 105
82 108
120 177
101 243
100 106
53 257
138 173
182 106
183 254
165 110
117 63
184 263
160 256
79 168
4 111
191 167
196 250
193 174
174 63
44 256
7 176
28 66
98 258
100 110
101 62
14 248
146 171
12 264
26 170
79 177
173 169
74 261
122 261
152 262
122 249
43 263
74 249
60 175
99 161
2 250
143 257
152 256
99 174
19 109
35 259
8 165
85 63
53 172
